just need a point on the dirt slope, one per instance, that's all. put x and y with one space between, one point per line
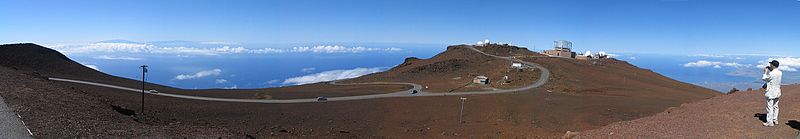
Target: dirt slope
56 111
738 115
454 70
581 95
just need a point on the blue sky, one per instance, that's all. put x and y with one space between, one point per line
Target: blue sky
639 26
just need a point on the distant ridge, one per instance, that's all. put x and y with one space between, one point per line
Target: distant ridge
33 57
46 62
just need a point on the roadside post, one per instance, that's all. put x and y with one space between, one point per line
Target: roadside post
461 113
144 70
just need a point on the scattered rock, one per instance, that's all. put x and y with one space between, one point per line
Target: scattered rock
569 135
123 110
734 90
670 109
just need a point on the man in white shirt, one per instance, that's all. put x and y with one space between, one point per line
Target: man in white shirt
772 75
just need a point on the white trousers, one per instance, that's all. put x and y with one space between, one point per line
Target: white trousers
772 110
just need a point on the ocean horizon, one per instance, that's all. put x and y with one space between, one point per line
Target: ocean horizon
219 65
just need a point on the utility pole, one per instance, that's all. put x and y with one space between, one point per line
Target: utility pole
461 113
144 70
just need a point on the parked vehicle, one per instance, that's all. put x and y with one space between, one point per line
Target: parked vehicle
322 99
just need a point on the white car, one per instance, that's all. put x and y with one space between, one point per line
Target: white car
153 91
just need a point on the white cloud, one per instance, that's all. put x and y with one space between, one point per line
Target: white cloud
219 81
331 75
201 74
104 47
219 43
273 81
267 50
707 55
736 65
393 49
111 57
715 64
232 87
116 47
197 51
632 58
701 63
340 49
786 63
92 67
308 69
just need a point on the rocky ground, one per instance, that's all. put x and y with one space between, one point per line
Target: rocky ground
738 115
55 111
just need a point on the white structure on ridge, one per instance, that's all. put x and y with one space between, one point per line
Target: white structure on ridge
484 42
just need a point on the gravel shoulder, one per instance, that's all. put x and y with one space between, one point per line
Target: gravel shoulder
11 126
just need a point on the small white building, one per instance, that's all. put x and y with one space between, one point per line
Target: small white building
483 43
517 65
481 80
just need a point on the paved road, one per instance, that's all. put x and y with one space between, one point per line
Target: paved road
11 126
545 74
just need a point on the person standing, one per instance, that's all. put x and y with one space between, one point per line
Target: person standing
772 75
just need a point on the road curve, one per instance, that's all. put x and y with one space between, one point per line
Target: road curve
545 74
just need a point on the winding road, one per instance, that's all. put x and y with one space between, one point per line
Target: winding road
545 74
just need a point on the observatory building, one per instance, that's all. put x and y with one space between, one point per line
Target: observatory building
481 80
562 48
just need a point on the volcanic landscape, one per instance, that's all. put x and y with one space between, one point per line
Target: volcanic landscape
546 100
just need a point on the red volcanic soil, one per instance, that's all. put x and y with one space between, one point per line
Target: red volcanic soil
737 115
51 110
580 95
506 50
611 77
454 69
314 90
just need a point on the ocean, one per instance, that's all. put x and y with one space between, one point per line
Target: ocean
194 65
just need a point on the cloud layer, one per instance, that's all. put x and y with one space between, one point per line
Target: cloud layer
111 57
331 75
786 63
308 69
715 64
201 74
219 81
117 47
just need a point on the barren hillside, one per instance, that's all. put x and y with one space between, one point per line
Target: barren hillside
580 95
738 115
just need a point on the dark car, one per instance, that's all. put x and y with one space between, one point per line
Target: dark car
322 99
414 92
